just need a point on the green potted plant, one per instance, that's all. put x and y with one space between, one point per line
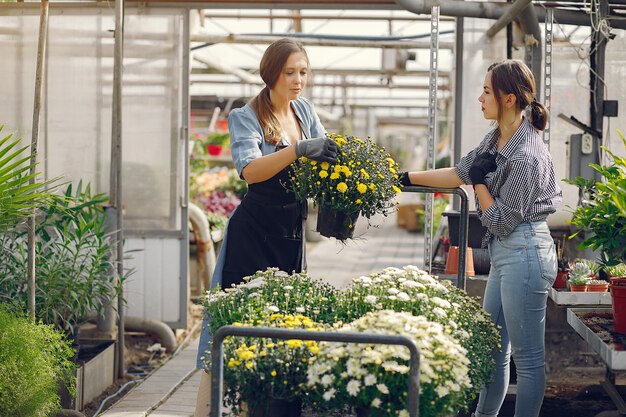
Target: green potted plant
34 358
579 277
75 273
602 214
215 142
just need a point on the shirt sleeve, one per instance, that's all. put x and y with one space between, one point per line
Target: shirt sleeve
245 138
462 168
517 195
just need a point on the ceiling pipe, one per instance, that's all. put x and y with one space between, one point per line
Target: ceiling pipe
488 10
515 9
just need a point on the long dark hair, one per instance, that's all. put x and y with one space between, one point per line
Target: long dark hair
272 64
514 77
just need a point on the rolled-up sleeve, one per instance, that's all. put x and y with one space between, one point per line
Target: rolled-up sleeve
245 138
462 168
517 195
317 129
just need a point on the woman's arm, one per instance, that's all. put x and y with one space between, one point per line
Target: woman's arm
265 167
442 177
485 199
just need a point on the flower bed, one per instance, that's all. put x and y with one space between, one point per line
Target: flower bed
455 336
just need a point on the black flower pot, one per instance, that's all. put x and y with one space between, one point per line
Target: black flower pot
272 407
333 223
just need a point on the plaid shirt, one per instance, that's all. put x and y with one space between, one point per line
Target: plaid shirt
523 185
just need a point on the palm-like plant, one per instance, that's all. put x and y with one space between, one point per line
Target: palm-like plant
18 197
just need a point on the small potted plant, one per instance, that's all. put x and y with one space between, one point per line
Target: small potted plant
579 277
364 181
215 143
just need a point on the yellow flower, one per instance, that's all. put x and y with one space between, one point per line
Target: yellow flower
358 201
313 162
334 176
342 187
273 373
233 362
325 165
324 174
294 343
304 158
373 187
393 171
270 345
361 188
249 365
337 168
396 189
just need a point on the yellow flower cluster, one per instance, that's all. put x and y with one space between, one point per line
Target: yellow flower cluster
248 355
364 180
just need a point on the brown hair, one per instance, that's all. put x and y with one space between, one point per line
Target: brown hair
272 64
514 77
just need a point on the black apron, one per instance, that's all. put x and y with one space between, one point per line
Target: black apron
265 230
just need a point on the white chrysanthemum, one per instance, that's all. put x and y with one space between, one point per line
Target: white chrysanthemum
441 302
382 388
328 379
402 296
371 299
288 287
376 402
369 380
300 309
353 387
328 395
273 309
393 291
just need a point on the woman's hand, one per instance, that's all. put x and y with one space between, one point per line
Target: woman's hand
318 149
483 164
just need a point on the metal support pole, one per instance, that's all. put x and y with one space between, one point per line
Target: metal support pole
217 355
432 133
463 224
458 96
41 54
547 72
115 189
596 80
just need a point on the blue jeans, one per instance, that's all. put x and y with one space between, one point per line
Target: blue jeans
523 268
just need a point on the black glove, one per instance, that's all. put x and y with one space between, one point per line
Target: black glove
318 149
483 164
404 179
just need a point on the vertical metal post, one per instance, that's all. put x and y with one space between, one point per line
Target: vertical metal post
458 95
432 133
41 54
115 188
596 78
547 72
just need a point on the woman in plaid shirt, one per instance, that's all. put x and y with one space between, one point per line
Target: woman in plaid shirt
515 189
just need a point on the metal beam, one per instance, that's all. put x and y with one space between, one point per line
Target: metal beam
339 71
330 84
515 9
249 39
320 17
489 10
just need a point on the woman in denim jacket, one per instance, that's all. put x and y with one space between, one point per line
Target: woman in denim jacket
266 136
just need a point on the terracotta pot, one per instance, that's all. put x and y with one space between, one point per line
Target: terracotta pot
618 296
452 264
561 279
598 287
578 288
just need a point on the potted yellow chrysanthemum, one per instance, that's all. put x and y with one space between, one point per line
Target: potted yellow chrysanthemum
362 182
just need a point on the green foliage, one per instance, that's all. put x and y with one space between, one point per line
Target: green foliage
18 198
579 273
33 359
220 138
74 271
603 213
